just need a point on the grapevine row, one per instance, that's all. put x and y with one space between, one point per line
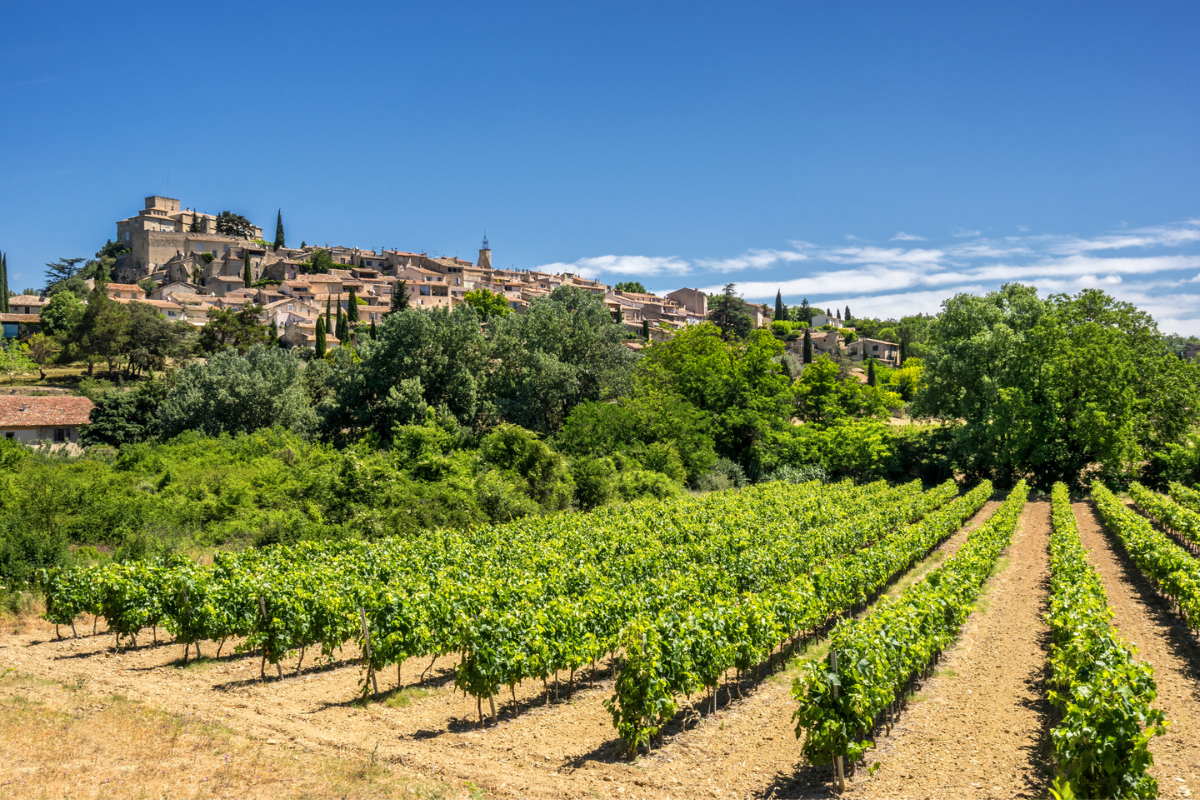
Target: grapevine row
688 647
517 601
1187 497
1170 514
1169 567
875 657
1103 695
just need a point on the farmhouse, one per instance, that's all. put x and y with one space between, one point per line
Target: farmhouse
44 419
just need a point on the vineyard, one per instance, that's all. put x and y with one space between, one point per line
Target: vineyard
794 628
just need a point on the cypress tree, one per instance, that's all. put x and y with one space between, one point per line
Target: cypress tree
273 334
279 230
807 352
829 313
320 337
3 283
374 335
903 350
399 297
352 309
247 277
646 329
847 317
871 372
341 322
780 308
328 315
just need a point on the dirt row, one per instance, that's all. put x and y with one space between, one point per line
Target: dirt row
427 731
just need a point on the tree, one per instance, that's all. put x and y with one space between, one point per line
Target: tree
1049 388
273 334
247 275
42 350
737 382
320 343
62 270
236 393
352 309
279 241
374 333
646 329
563 350
780 308
847 317
101 332
806 354
150 338
400 297
630 286
237 329
328 314
230 224
903 353
343 329
802 313
195 226
487 304
729 313
871 372
422 360
14 359
120 418
61 315
320 264
3 283
823 397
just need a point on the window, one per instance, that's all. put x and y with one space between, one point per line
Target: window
9 435
874 348
60 435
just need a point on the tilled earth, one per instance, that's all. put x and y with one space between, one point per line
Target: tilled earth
977 727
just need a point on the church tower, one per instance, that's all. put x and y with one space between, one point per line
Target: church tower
485 255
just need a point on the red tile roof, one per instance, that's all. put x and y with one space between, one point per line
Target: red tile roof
43 412
20 318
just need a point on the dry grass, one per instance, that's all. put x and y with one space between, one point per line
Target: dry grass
60 740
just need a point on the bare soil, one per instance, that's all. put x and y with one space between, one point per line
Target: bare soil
978 728
421 740
1161 638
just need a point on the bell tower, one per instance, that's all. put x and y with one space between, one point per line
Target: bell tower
485 254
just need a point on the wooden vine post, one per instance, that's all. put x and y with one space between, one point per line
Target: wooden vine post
841 779
367 650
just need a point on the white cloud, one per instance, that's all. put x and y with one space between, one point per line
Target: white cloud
1023 228
1151 266
648 266
961 232
753 259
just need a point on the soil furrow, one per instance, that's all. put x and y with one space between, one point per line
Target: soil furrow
978 729
1161 638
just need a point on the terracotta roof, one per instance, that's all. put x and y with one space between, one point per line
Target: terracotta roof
43 412
322 279
20 318
124 287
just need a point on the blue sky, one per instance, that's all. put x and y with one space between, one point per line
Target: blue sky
881 155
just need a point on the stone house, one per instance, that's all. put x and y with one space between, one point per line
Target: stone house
55 419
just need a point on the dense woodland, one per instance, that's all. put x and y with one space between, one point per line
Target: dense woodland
457 418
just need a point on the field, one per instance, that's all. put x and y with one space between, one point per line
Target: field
645 651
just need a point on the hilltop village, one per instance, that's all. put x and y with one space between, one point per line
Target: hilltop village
187 264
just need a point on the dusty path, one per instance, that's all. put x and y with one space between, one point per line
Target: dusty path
1162 639
565 749
979 728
